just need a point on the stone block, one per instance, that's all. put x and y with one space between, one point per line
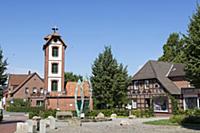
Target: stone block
42 126
64 115
22 127
100 116
113 116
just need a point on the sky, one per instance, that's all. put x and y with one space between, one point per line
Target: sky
135 29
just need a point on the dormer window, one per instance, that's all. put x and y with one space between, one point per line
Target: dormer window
55 51
54 68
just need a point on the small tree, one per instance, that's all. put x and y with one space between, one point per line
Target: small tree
70 76
109 81
3 74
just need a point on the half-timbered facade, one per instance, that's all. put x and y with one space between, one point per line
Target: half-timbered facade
155 83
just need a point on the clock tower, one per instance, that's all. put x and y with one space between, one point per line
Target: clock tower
54 49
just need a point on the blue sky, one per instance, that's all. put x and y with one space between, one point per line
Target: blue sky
135 29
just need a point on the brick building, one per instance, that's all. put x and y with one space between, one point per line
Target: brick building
27 87
156 81
50 91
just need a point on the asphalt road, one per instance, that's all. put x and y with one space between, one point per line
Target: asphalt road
8 125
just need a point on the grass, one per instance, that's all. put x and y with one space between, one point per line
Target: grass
165 122
122 116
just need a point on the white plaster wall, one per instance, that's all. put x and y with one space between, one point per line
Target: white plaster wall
59 84
57 60
59 74
59 45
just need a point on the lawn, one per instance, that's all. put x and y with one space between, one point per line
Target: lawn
165 122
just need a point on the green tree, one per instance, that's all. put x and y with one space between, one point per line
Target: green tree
173 49
70 76
121 82
109 81
192 49
3 74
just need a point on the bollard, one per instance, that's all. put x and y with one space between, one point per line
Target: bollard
42 126
30 126
52 123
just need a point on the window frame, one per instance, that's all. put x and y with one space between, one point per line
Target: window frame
54 69
52 85
136 85
55 49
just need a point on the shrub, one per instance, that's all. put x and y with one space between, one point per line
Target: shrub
42 113
108 112
192 117
177 118
191 120
174 102
143 113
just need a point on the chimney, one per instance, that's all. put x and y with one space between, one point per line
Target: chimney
29 72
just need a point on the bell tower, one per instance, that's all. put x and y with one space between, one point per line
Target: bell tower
54 49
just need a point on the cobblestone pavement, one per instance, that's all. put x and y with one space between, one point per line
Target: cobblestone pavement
134 126
8 125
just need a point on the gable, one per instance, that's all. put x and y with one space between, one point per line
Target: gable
146 72
30 78
54 38
158 70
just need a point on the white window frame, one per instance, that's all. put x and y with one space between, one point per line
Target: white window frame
136 86
34 90
190 96
134 104
146 84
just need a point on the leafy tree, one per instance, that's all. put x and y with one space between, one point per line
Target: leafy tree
70 76
192 49
173 49
3 74
109 81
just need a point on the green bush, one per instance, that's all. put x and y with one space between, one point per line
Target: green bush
143 113
42 113
108 112
191 120
174 102
192 117
177 118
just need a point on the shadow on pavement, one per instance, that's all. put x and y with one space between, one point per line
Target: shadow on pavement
10 121
191 126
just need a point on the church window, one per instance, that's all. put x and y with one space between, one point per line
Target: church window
54 85
54 68
55 51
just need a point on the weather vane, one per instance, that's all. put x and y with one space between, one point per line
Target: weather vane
55 28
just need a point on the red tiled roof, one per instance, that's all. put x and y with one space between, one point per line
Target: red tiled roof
17 79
